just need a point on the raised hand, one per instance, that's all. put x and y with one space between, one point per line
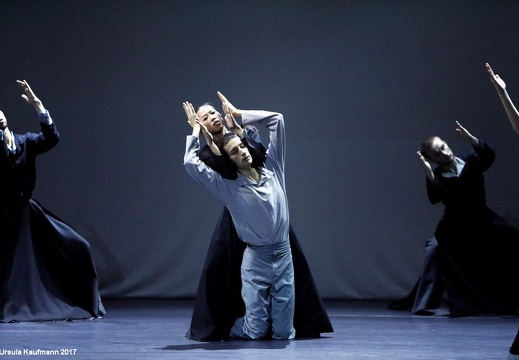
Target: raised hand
191 118
29 96
233 125
227 107
190 113
496 80
464 133
208 138
510 109
426 165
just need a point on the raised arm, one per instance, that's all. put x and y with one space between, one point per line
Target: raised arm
511 111
274 122
29 96
465 134
435 190
231 113
426 166
485 154
49 136
209 139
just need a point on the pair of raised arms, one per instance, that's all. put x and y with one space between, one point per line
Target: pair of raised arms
510 109
230 112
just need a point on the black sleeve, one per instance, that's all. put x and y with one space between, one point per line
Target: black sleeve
485 155
435 190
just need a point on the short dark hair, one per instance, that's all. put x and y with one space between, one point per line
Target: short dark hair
426 144
224 140
256 151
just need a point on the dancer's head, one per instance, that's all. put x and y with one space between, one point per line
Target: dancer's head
436 150
237 151
211 118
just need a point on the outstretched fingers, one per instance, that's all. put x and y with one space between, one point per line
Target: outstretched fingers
190 113
28 94
490 71
496 79
222 97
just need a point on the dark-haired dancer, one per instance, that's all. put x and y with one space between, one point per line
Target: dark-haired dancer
477 250
218 301
226 250
46 269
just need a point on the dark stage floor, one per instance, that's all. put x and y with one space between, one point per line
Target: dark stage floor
154 329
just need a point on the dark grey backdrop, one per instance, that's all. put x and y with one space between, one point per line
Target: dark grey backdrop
360 84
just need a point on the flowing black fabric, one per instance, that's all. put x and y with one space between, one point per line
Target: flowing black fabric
47 270
480 265
514 349
218 301
474 267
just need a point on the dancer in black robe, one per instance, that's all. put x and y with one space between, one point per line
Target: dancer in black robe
478 252
467 218
46 268
218 301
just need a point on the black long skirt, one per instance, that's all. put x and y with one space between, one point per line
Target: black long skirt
47 270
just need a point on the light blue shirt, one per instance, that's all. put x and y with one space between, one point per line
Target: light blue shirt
460 164
259 210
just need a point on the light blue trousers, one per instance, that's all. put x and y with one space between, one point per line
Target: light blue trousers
268 293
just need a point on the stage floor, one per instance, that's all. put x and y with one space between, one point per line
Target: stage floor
155 329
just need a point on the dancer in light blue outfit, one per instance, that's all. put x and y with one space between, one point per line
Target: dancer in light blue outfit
258 205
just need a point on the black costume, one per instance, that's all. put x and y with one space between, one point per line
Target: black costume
219 302
475 264
46 268
426 297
